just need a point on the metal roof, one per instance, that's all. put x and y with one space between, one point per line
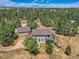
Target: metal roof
41 32
23 29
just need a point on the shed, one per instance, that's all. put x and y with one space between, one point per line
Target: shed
23 31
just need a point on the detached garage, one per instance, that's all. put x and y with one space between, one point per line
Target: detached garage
23 31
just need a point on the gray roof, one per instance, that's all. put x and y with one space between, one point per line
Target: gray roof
41 32
23 29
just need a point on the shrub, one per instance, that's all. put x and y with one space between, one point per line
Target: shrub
68 50
49 47
31 45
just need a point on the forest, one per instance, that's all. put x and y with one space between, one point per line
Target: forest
59 19
63 21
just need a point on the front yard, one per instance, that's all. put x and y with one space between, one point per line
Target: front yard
57 54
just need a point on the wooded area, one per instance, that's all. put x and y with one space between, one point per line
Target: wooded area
62 21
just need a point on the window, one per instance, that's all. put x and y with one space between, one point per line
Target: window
48 35
41 40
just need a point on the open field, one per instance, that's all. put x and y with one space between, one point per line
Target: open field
57 54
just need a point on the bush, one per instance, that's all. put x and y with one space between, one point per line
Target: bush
49 47
68 50
31 45
7 43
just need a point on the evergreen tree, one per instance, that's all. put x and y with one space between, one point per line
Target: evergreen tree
31 45
7 34
32 23
49 47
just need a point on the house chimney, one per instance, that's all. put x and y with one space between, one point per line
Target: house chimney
23 23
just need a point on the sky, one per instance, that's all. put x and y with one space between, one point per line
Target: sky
40 3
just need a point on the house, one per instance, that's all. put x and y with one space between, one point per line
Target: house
41 35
